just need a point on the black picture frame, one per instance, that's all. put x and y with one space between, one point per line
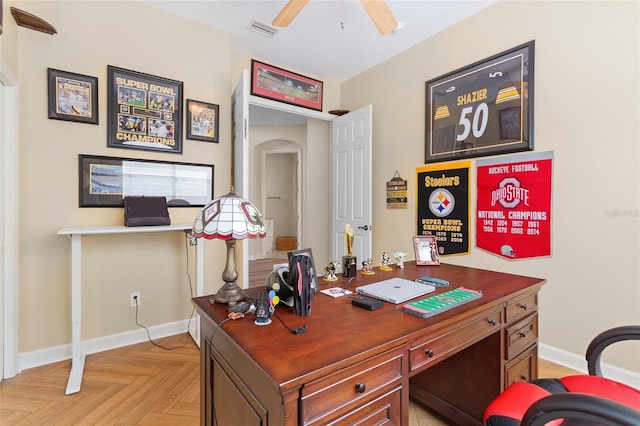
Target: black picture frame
268 81
306 252
145 111
105 181
72 96
203 121
485 108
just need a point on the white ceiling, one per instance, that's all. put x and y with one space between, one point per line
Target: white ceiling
329 39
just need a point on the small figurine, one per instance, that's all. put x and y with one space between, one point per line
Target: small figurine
386 261
400 257
330 272
367 267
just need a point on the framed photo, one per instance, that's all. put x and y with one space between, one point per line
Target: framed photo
281 85
72 97
145 111
426 250
307 252
105 181
485 108
202 121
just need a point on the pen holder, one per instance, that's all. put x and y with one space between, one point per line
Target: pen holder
349 266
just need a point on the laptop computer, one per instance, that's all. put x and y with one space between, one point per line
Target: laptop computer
395 290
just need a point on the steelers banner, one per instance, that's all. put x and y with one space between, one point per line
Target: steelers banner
483 109
513 211
443 205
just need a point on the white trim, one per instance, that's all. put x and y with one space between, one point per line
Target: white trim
90 346
579 363
9 225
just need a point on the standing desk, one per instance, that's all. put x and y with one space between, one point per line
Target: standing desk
354 366
76 234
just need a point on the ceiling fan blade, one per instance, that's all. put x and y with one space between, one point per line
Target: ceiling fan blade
289 13
380 15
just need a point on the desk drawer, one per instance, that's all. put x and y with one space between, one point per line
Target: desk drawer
385 409
429 351
350 384
520 308
523 367
521 335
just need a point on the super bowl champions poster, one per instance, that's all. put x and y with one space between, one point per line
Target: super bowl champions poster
443 205
513 211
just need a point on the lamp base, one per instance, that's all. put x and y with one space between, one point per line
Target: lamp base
229 293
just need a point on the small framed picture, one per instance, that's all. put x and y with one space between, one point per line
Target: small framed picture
426 250
202 121
72 97
306 252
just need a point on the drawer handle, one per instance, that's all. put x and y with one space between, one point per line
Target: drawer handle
361 387
523 334
492 322
523 306
429 352
523 378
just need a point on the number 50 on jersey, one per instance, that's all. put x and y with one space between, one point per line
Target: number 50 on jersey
485 108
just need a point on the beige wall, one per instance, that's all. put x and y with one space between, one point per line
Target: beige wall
92 35
586 112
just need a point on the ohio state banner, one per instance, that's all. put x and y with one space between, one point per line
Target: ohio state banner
513 211
443 205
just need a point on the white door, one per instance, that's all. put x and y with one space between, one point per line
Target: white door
351 142
240 121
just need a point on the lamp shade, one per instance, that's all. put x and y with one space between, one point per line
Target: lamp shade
229 217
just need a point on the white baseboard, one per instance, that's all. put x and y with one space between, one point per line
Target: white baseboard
60 353
579 363
63 352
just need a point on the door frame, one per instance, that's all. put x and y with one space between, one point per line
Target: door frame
241 139
298 152
9 364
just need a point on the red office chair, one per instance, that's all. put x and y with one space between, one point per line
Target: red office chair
579 400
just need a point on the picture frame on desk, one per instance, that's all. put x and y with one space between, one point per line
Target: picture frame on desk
105 181
426 250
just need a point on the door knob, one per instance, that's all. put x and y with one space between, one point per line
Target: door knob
365 228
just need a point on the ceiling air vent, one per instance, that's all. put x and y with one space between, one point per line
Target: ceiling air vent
262 29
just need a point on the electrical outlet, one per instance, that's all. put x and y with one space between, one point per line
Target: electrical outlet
134 299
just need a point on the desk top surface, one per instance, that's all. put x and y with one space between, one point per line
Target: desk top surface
339 333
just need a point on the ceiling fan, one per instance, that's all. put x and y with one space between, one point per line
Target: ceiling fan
378 11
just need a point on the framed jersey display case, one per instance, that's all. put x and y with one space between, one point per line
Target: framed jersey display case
485 108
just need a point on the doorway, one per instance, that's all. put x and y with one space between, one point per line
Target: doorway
281 174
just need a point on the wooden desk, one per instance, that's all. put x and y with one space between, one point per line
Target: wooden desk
354 366
77 352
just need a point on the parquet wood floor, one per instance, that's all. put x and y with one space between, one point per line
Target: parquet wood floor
135 385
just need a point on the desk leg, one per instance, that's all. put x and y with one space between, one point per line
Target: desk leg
77 355
195 333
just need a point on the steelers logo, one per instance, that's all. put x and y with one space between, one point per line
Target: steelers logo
441 202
